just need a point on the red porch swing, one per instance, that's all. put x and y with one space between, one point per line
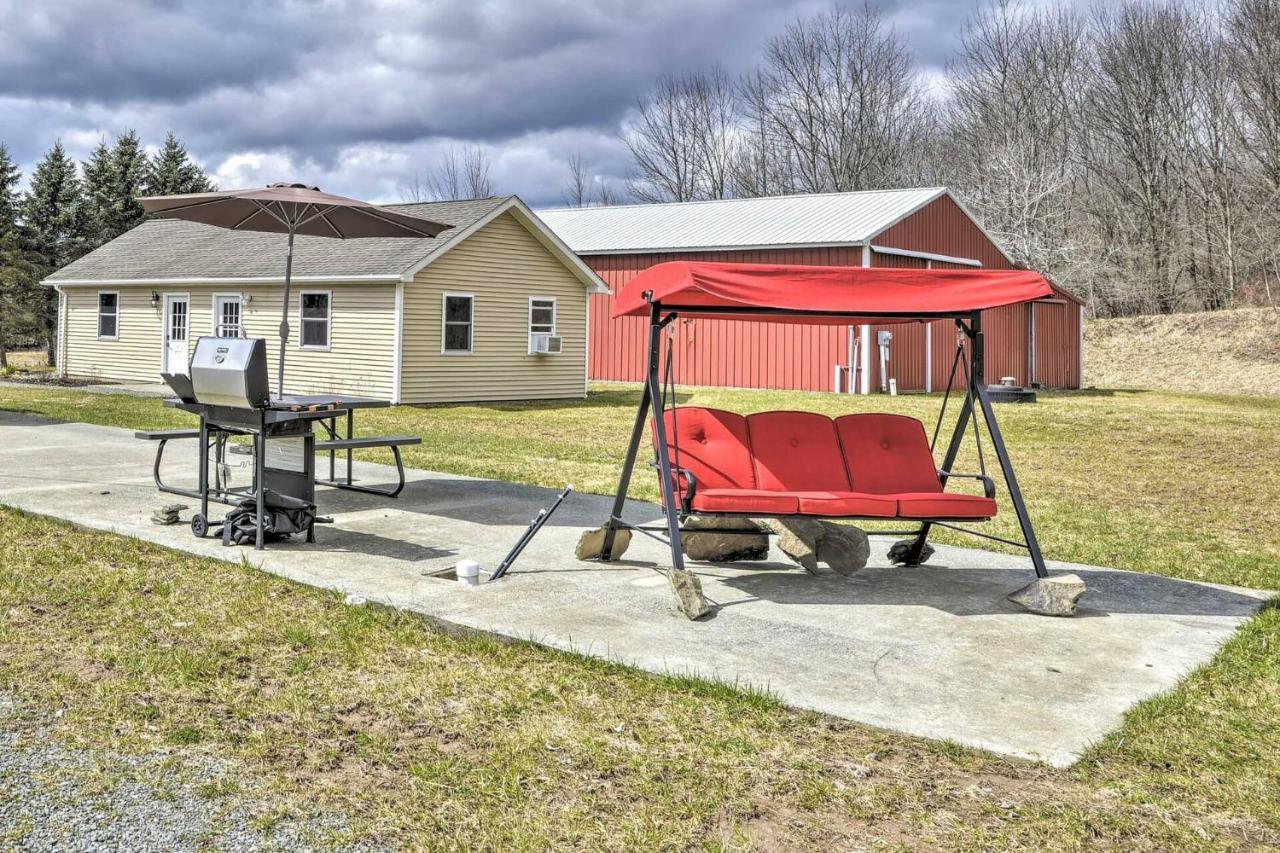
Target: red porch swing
786 464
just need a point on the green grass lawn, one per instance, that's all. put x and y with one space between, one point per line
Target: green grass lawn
427 739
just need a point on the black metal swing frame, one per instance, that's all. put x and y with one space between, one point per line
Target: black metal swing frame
969 327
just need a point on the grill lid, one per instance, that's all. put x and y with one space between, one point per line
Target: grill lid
231 372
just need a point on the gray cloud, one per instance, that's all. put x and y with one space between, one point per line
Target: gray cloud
355 96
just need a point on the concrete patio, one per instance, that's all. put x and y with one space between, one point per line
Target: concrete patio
934 651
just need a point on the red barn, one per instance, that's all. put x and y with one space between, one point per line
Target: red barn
1037 344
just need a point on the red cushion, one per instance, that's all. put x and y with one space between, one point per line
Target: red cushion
797 452
887 454
752 501
944 505
714 445
847 504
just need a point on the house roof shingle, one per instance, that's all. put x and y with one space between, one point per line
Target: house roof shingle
171 249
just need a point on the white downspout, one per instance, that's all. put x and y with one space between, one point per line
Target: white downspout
928 347
397 346
865 334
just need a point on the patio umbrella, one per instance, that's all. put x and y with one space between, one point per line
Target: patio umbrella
290 209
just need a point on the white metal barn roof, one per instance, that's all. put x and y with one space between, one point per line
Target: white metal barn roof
828 219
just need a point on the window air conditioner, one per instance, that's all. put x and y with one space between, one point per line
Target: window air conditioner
547 344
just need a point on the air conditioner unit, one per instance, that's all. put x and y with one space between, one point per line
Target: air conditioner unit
546 344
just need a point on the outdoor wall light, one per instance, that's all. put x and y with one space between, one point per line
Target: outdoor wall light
248 299
155 299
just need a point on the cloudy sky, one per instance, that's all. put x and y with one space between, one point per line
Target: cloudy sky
357 96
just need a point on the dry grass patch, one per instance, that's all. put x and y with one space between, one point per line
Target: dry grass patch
1216 352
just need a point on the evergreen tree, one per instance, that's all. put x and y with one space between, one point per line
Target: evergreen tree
55 225
9 177
21 301
53 210
171 171
99 189
128 172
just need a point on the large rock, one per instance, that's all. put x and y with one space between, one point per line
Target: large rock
811 542
1053 596
728 540
899 550
844 548
798 539
688 590
592 542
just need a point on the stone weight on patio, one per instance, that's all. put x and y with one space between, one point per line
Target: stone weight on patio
727 540
842 548
591 541
898 552
1053 596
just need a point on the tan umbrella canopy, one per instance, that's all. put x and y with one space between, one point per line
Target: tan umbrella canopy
290 209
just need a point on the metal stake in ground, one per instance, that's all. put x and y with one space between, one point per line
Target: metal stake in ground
533 528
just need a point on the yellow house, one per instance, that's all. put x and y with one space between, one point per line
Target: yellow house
494 308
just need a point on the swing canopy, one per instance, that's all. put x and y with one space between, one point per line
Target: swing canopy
824 294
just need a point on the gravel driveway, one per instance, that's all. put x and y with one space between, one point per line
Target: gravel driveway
55 798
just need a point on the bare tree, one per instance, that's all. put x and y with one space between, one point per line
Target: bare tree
841 98
681 140
582 189
458 175
1010 125
1254 50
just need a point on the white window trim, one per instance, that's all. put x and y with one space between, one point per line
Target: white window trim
444 300
217 317
555 318
97 317
328 294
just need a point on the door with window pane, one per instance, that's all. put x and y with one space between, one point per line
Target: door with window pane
226 317
177 316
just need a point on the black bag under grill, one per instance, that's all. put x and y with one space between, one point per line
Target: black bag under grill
283 516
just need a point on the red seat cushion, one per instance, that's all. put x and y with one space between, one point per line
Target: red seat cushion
753 501
797 452
847 504
925 505
887 454
714 445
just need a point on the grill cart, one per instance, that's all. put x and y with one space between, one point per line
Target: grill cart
228 390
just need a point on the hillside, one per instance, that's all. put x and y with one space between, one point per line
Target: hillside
1227 352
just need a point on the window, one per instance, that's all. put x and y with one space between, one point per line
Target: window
226 317
542 320
108 316
458 320
315 319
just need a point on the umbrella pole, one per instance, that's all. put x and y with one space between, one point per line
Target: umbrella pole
284 316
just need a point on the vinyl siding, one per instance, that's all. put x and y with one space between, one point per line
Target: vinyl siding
503 265
362 332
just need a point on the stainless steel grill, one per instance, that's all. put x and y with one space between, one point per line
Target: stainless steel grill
231 372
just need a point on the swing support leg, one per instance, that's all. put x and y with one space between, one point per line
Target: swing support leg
651 400
977 391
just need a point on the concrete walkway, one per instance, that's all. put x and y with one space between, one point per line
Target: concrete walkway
934 651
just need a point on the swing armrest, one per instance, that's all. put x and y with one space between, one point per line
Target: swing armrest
684 490
988 485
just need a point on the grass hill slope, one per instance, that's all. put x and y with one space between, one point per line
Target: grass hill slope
1219 352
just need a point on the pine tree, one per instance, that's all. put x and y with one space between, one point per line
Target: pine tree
53 209
9 177
171 171
128 172
99 190
21 301
55 225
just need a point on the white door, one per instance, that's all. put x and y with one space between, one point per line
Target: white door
177 325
